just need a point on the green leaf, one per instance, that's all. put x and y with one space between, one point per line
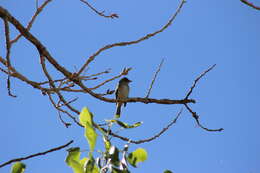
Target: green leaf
139 155
73 160
18 167
85 117
167 171
83 161
91 136
73 154
95 170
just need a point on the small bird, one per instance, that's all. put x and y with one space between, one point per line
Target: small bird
122 92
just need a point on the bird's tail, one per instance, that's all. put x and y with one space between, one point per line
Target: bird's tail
118 110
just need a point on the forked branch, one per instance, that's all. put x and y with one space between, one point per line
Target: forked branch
197 80
196 117
127 43
112 16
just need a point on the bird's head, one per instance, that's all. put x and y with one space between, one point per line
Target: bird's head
125 80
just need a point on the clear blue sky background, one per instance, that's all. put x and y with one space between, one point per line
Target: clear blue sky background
204 33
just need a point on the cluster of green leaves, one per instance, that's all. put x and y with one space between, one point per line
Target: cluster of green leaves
111 159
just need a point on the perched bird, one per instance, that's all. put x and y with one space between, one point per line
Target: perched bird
122 92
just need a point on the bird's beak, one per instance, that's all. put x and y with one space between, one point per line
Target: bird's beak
129 81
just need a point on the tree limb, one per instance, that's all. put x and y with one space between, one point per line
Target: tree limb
250 4
35 155
92 57
112 16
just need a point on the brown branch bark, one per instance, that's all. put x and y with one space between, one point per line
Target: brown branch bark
77 79
13 72
196 117
44 52
112 16
155 75
30 23
197 79
250 4
147 139
7 57
37 154
92 57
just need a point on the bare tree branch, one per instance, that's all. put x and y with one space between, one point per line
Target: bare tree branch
148 139
196 117
92 57
161 132
155 75
7 42
136 99
74 78
37 154
29 26
63 122
124 72
197 79
8 51
250 4
4 71
18 75
112 16
43 51
63 111
52 85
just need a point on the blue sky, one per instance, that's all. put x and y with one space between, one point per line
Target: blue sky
225 33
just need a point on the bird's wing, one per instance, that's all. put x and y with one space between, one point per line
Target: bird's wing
116 93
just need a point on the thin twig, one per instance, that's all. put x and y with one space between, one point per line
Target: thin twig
155 75
3 70
63 111
92 57
161 132
67 81
69 102
112 16
63 122
124 72
197 79
8 51
52 85
196 117
18 75
7 42
37 154
148 139
28 27
9 87
250 4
